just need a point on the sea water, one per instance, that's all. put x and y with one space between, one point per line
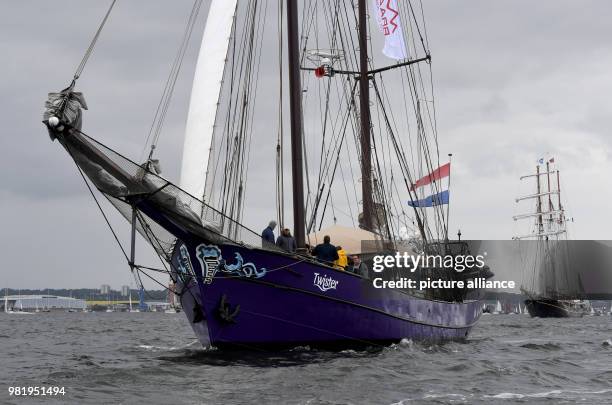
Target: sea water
154 358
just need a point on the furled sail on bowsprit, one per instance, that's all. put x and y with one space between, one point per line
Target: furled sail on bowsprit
66 107
205 95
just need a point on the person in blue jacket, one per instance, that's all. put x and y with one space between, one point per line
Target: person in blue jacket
268 233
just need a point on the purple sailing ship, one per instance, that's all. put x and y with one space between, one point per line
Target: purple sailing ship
237 290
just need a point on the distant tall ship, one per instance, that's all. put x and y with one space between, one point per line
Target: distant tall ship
554 289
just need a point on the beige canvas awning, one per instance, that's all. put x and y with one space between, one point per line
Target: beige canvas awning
349 238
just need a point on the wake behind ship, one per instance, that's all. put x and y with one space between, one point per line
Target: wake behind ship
239 291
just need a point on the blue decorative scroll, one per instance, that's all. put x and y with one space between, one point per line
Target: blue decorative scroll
211 261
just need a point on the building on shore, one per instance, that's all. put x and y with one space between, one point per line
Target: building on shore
33 303
158 306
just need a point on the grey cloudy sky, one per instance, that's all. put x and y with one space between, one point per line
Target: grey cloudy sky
514 81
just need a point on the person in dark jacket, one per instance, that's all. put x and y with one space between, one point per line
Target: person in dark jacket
358 267
326 252
268 233
286 242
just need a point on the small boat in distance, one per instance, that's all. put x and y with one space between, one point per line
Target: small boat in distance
498 308
132 309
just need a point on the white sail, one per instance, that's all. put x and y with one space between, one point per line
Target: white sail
205 95
498 307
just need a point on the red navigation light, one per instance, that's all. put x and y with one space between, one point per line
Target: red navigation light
320 71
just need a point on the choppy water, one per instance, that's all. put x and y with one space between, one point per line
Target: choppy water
154 358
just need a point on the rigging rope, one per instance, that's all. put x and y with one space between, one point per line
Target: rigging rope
280 191
138 268
92 44
99 207
228 171
164 102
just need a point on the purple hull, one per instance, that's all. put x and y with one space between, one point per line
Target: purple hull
287 307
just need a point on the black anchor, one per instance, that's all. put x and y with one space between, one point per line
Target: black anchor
225 312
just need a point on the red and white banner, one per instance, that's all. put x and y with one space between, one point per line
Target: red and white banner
388 20
439 173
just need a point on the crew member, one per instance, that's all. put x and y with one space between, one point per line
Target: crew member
359 267
286 242
342 260
268 233
325 252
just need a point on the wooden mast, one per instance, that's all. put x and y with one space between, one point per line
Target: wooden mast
295 104
539 205
550 203
558 190
364 112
